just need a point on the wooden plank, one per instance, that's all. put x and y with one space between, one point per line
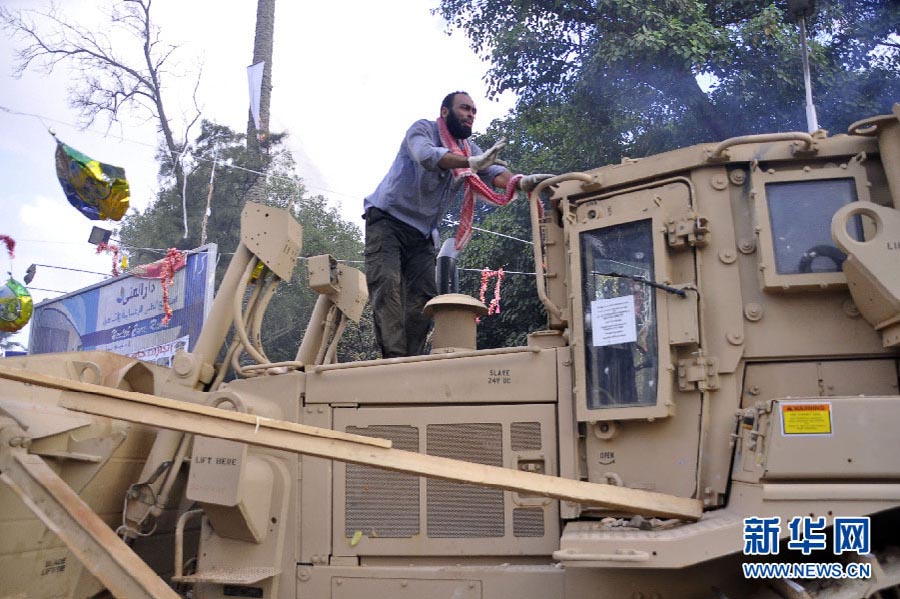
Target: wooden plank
86 535
34 378
213 422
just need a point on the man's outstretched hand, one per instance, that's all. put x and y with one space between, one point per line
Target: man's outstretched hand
491 157
529 182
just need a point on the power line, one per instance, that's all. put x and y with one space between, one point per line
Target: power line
219 163
223 163
93 272
455 224
50 241
503 235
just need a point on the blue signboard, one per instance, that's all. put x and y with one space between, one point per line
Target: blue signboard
125 314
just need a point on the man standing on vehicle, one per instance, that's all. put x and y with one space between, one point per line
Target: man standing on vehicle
435 160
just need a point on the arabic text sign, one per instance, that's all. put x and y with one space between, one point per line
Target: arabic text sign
124 314
162 354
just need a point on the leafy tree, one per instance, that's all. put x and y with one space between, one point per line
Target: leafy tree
324 231
598 80
636 77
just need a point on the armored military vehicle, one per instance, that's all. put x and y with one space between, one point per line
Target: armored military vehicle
712 411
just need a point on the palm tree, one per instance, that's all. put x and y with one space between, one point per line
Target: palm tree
262 52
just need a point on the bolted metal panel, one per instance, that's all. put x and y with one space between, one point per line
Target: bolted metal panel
528 522
272 235
353 587
380 503
459 510
525 436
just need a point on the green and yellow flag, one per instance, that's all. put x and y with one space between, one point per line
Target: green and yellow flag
97 190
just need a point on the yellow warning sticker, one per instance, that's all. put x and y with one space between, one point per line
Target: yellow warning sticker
806 418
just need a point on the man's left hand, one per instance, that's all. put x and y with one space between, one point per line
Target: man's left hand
529 182
492 156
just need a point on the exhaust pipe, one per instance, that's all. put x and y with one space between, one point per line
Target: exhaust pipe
447 271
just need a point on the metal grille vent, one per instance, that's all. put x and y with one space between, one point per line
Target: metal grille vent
528 522
526 436
382 503
458 510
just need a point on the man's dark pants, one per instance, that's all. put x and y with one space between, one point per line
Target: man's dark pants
400 265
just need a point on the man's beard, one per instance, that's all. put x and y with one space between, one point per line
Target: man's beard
457 128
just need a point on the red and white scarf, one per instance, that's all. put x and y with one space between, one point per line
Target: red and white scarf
473 186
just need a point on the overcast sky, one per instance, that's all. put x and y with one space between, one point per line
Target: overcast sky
349 78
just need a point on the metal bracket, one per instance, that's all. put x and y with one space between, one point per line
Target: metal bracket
802 150
701 373
690 230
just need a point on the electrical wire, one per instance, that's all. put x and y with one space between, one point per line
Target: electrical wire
455 224
92 272
218 163
224 163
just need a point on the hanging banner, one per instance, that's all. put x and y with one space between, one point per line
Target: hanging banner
125 315
97 190
254 78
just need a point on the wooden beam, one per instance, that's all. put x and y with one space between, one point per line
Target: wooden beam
86 535
52 382
213 422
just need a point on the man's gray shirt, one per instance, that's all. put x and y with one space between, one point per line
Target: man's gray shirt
416 190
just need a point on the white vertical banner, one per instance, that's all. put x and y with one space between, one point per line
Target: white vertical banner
254 78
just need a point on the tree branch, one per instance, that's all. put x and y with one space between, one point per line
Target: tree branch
109 83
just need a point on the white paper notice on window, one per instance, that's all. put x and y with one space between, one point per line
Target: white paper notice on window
613 321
